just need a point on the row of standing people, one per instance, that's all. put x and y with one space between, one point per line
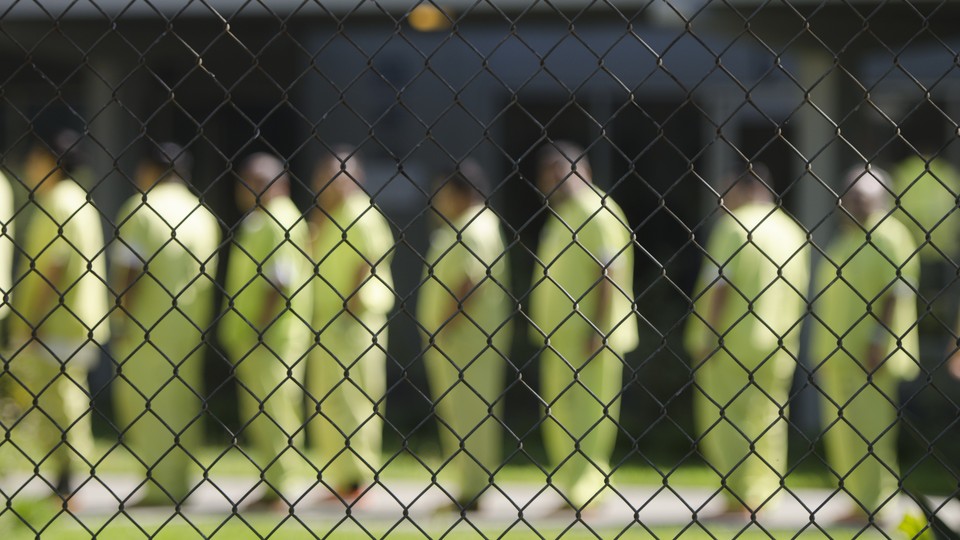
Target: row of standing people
307 298
750 304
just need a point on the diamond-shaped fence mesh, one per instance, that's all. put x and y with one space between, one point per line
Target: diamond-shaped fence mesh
548 269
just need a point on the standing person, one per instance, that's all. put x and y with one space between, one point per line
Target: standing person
164 265
266 329
744 336
928 185
464 310
864 341
352 247
582 314
59 304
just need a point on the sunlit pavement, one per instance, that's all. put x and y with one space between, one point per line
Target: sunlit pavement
507 505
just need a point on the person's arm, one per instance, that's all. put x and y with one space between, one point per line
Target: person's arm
954 362
719 292
457 304
876 353
278 277
361 274
47 297
273 299
605 291
127 282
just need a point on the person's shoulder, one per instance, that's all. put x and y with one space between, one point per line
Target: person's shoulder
730 224
891 230
787 226
283 212
68 198
479 223
131 207
367 213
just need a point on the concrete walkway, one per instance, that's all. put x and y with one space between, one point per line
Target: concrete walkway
531 506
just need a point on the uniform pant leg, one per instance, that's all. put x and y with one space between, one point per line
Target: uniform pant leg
466 385
137 381
270 414
57 423
581 430
720 379
178 404
755 418
164 435
373 386
347 382
869 416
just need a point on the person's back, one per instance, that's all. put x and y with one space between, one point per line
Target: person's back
765 259
928 190
856 275
369 242
270 254
864 342
265 327
464 309
60 300
353 292
65 230
163 270
743 337
173 234
588 234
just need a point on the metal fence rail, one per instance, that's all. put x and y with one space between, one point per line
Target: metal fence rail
479 269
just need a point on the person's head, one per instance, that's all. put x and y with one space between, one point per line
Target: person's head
163 162
52 159
262 177
337 174
866 191
747 186
460 189
562 168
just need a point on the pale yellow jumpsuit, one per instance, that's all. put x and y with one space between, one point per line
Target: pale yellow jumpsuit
854 281
586 238
268 344
744 361
62 255
466 356
346 379
170 241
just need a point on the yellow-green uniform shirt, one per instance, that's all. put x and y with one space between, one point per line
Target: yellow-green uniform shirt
470 249
270 254
173 239
64 231
852 284
6 242
587 234
762 255
928 204
355 235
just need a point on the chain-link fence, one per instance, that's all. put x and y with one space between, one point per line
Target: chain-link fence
345 269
